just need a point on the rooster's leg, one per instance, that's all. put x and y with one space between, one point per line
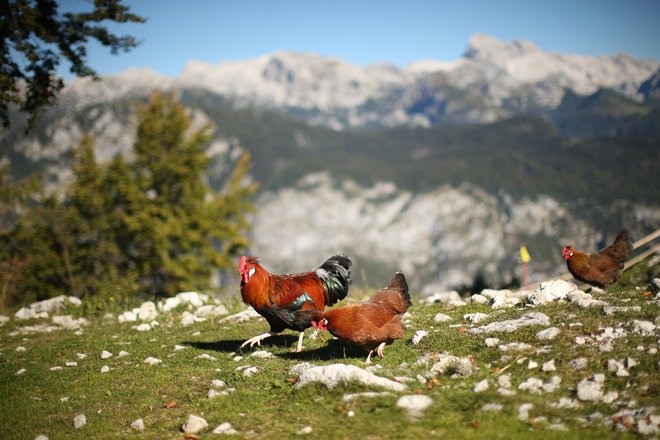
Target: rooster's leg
368 361
380 349
257 339
300 339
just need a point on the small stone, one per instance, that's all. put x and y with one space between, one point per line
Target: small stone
496 407
105 369
71 364
21 372
414 404
475 318
548 334
566 402
610 397
492 342
179 347
579 363
122 354
531 365
504 381
143 327
549 366
105 354
622 372
589 390
41 437
350 414
613 365
212 394
194 424
21 349
644 328
506 392
206 357
479 299
552 385
419 335
441 317
217 383
606 347
224 429
138 425
640 348
81 356
647 427
533 385
580 340
263 354
523 411
55 368
652 351
557 427
152 360
79 421
304 431
481 386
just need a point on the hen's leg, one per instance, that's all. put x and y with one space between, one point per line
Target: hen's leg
368 361
257 339
380 349
300 339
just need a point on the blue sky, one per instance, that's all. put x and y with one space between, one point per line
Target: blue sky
367 32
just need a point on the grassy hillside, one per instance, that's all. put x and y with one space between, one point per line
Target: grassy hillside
37 399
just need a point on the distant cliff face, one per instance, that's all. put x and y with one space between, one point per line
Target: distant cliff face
446 236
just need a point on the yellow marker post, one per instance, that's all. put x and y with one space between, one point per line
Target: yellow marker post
524 259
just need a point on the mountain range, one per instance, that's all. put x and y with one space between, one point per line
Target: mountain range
441 169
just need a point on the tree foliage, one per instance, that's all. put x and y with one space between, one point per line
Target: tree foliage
151 225
36 37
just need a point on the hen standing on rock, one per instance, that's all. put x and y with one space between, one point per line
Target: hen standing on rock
602 268
372 324
277 297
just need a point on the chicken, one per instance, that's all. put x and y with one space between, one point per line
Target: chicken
372 324
602 268
277 297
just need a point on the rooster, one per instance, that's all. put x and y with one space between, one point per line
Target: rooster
372 324
277 297
602 268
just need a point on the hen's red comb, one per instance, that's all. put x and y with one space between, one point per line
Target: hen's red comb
241 264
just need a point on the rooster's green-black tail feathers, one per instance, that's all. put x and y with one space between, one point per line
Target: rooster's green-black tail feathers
335 274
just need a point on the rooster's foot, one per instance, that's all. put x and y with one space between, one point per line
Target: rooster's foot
256 340
380 349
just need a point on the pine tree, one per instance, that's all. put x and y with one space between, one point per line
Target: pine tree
182 228
152 225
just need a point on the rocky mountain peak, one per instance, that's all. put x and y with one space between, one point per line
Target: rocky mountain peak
486 47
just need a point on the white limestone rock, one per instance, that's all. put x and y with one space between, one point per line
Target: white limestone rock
335 374
511 325
194 424
414 404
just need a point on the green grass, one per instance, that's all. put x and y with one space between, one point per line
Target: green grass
268 405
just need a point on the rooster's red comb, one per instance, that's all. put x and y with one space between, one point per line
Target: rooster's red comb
241 264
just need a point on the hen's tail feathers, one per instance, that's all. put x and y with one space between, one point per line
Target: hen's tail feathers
399 283
335 274
395 296
621 247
